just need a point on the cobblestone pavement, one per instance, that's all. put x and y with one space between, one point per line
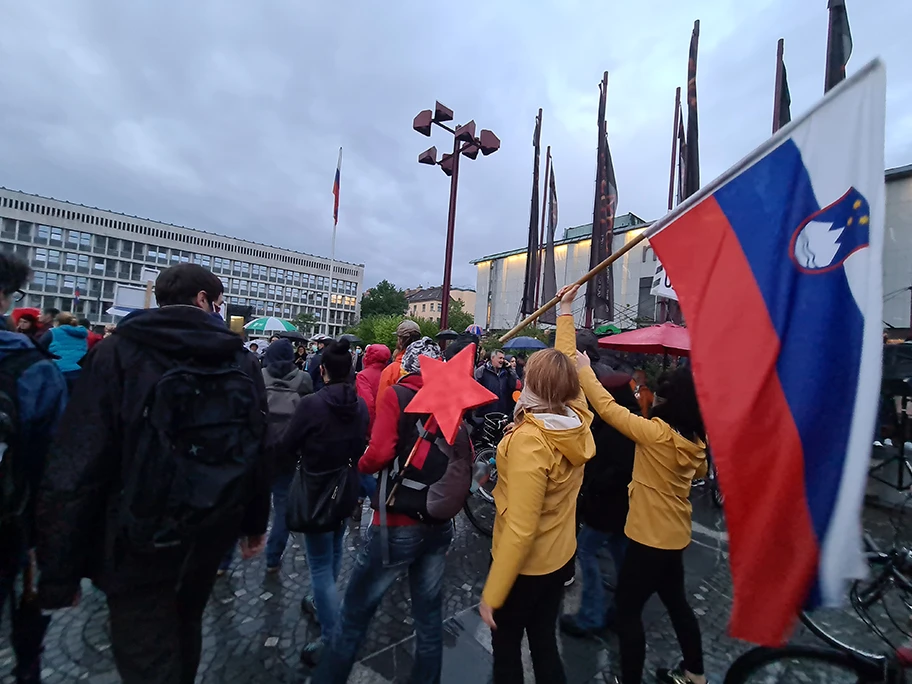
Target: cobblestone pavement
254 628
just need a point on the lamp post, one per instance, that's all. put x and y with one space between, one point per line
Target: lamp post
464 144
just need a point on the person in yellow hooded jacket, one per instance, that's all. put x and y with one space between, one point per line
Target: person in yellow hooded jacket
540 471
670 453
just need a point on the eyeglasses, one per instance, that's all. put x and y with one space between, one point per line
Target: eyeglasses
18 295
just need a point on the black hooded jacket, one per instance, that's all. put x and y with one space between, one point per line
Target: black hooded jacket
78 501
329 428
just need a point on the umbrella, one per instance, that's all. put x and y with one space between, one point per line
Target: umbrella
447 335
525 343
293 335
666 338
475 330
353 340
268 324
607 329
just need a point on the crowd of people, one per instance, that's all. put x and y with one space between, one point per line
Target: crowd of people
145 459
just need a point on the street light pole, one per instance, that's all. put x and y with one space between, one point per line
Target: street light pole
451 228
464 144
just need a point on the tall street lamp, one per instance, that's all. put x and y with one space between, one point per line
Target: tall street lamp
464 144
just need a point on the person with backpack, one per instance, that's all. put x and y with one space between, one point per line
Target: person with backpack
329 432
412 527
540 471
157 469
367 383
285 385
32 397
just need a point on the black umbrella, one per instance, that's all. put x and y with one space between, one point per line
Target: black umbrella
447 335
353 340
293 335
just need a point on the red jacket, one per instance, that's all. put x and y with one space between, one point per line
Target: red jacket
376 357
384 439
94 338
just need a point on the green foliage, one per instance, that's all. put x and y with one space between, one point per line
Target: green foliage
384 300
459 318
382 329
305 322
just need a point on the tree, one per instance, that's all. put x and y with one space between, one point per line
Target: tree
305 322
459 318
384 300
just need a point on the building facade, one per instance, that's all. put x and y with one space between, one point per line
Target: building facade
501 276
427 303
79 254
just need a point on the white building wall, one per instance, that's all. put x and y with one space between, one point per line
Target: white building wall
897 258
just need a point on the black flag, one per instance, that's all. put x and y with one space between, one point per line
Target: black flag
532 266
549 282
839 44
783 102
692 160
600 291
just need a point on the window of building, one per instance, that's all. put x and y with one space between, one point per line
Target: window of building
40 256
647 303
56 236
53 258
51 283
83 263
24 231
44 235
98 266
38 280
70 264
69 284
424 307
72 238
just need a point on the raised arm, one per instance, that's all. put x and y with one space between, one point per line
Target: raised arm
565 339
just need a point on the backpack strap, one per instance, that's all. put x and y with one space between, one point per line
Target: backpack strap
404 396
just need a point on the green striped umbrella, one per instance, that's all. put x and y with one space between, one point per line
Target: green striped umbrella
268 324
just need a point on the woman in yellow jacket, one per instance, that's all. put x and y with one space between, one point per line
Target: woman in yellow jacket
540 470
670 453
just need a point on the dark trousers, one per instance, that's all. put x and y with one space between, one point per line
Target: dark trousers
532 608
156 631
647 571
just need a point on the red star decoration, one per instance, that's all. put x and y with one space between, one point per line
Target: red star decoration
449 391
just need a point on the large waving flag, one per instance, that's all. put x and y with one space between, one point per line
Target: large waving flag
336 188
778 267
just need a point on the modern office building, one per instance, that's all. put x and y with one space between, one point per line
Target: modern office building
79 254
427 303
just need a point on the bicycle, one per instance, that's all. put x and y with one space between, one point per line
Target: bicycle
839 662
479 505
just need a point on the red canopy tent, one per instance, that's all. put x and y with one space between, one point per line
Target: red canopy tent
666 338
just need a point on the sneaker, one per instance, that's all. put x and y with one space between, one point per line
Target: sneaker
308 607
569 626
675 676
570 581
311 653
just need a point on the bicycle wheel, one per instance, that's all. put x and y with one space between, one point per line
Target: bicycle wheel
479 506
802 665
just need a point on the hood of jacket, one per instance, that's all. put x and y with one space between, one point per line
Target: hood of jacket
290 376
76 331
377 355
565 433
412 381
181 332
341 398
16 342
688 454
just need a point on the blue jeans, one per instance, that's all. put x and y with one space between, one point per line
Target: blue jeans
324 557
278 535
419 550
368 486
593 613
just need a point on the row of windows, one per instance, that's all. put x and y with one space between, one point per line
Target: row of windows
97 244
94 219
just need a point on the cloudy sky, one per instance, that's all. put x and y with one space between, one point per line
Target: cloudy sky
227 116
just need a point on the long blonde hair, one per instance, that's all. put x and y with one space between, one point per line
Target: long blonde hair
552 377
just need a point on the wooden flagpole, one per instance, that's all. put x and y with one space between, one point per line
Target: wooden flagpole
674 148
541 239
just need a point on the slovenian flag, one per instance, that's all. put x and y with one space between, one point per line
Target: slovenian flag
778 268
336 183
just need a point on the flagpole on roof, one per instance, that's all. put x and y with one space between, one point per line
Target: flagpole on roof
332 250
674 148
541 234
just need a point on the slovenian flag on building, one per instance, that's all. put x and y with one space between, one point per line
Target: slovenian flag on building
778 269
336 183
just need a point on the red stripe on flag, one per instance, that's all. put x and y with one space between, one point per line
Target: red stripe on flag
754 440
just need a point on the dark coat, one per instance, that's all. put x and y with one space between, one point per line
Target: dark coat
604 501
79 498
328 429
503 383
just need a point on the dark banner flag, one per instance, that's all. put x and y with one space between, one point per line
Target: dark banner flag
782 102
682 158
600 291
549 280
692 160
839 44
532 264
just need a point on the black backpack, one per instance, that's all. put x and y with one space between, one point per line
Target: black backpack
13 481
435 492
199 441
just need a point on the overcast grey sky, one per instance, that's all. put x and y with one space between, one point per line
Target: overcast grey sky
227 116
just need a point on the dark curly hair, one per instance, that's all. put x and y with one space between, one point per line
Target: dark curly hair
14 273
678 404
